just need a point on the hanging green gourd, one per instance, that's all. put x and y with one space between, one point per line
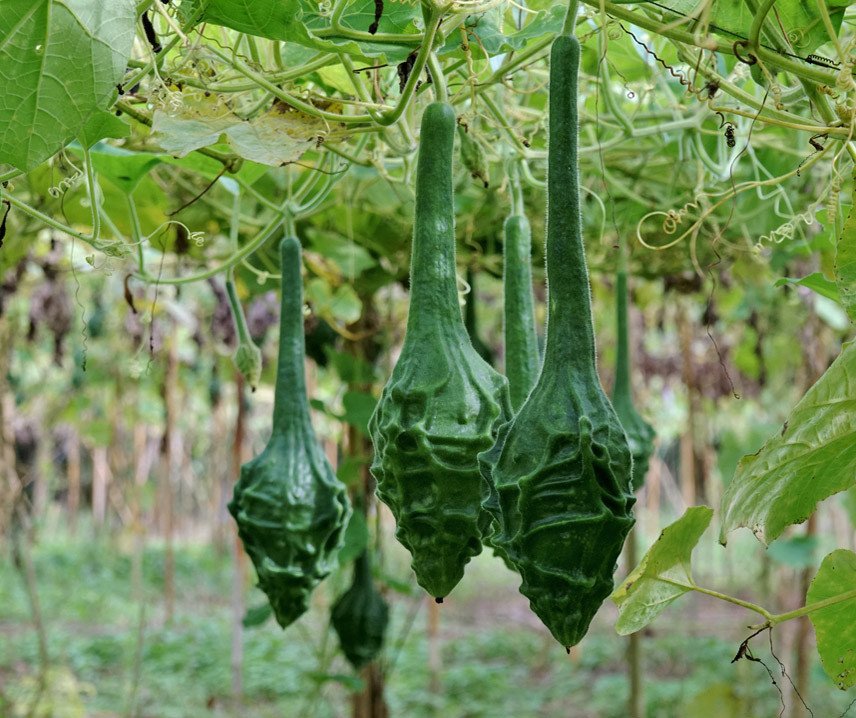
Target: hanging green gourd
290 508
471 321
443 402
360 616
521 340
561 467
640 434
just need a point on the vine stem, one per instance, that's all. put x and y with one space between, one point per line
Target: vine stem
758 23
570 23
812 607
721 596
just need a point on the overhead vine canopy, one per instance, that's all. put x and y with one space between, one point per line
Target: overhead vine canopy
711 128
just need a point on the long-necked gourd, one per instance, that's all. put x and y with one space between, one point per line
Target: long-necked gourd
443 402
471 320
561 466
640 434
521 340
360 616
290 508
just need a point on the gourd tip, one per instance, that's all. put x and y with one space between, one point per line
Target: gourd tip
568 650
438 599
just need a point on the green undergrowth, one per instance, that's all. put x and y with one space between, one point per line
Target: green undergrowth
494 659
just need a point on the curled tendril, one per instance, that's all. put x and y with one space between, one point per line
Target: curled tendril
613 31
750 59
796 35
787 230
672 220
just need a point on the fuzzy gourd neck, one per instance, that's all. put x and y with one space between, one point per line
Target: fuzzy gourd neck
621 390
570 337
290 403
433 283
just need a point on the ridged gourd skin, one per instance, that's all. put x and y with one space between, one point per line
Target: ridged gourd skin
521 340
360 617
290 508
443 403
640 434
561 467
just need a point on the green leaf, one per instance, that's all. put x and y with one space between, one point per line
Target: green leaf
834 625
816 282
296 21
60 62
356 538
359 407
351 259
103 125
257 615
848 501
715 701
845 263
354 684
800 21
796 551
651 586
811 458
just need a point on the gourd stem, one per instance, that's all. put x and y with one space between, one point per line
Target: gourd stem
567 274
290 395
433 283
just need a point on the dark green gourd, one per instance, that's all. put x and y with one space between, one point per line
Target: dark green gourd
443 402
521 340
640 434
290 508
360 616
561 467
471 321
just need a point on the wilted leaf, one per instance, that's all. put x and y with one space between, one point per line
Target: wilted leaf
279 136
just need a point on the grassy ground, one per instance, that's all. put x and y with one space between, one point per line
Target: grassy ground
496 658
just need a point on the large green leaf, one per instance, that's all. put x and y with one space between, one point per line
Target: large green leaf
834 625
60 62
800 21
664 573
816 282
811 458
297 21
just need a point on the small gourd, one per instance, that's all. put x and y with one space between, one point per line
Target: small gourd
471 320
360 616
290 508
561 467
521 340
443 402
640 434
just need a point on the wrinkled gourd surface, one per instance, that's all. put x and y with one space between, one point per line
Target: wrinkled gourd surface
443 402
360 617
561 467
640 434
290 508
